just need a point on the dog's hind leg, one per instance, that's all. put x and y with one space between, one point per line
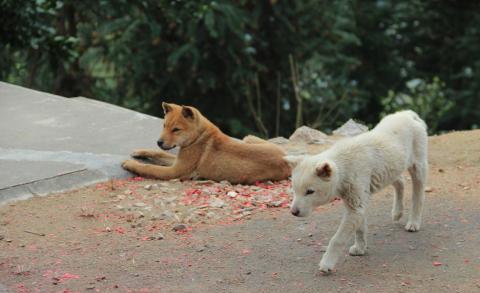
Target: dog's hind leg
419 176
158 157
397 209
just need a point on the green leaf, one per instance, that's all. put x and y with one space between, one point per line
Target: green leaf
210 23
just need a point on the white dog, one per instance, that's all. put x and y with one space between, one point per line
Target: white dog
354 168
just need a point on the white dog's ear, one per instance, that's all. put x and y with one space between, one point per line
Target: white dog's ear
293 161
324 171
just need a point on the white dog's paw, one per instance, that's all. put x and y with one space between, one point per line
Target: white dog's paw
396 215
326 267
356 250
412 226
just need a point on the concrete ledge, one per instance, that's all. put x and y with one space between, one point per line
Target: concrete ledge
51 144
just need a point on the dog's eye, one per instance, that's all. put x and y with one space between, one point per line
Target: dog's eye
175 130
309 191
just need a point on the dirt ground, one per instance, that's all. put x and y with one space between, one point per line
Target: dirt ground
118 237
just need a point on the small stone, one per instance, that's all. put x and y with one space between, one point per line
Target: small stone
225 183
323 248
108 229
128 192
120 196
8 240
90 287
156 217
428 189
310 235
232 194
179 227
217 203
119 207
275 204
1 237
160 236
139 204
151 186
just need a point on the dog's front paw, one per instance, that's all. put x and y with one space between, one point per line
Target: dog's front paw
326 267
356 250
140 154
130 165
412 226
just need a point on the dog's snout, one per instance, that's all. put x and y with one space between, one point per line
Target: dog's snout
295 212
160 143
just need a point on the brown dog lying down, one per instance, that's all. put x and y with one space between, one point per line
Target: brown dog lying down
206 152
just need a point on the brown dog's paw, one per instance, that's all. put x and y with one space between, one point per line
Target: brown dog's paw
140 154
129 165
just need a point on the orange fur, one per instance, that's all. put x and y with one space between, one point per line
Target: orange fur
206 152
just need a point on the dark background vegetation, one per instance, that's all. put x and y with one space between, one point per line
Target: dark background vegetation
254 65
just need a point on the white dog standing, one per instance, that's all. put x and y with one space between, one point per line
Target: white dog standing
354 168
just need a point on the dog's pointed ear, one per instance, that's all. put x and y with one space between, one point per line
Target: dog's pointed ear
293 161
187 112
166 107
324 171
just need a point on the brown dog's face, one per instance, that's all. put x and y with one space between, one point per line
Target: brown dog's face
180 128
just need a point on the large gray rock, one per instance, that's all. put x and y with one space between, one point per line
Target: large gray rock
309 135
350 128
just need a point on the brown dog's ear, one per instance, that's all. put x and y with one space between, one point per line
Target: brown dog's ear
324 171
166 107
187 112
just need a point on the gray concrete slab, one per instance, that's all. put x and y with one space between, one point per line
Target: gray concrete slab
50 143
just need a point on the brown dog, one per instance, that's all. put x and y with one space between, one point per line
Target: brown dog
206 152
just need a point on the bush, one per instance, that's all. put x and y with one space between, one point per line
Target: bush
427 99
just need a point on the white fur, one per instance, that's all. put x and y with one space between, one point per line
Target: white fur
360 166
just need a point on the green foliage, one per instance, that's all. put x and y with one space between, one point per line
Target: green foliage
427 99
231 58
